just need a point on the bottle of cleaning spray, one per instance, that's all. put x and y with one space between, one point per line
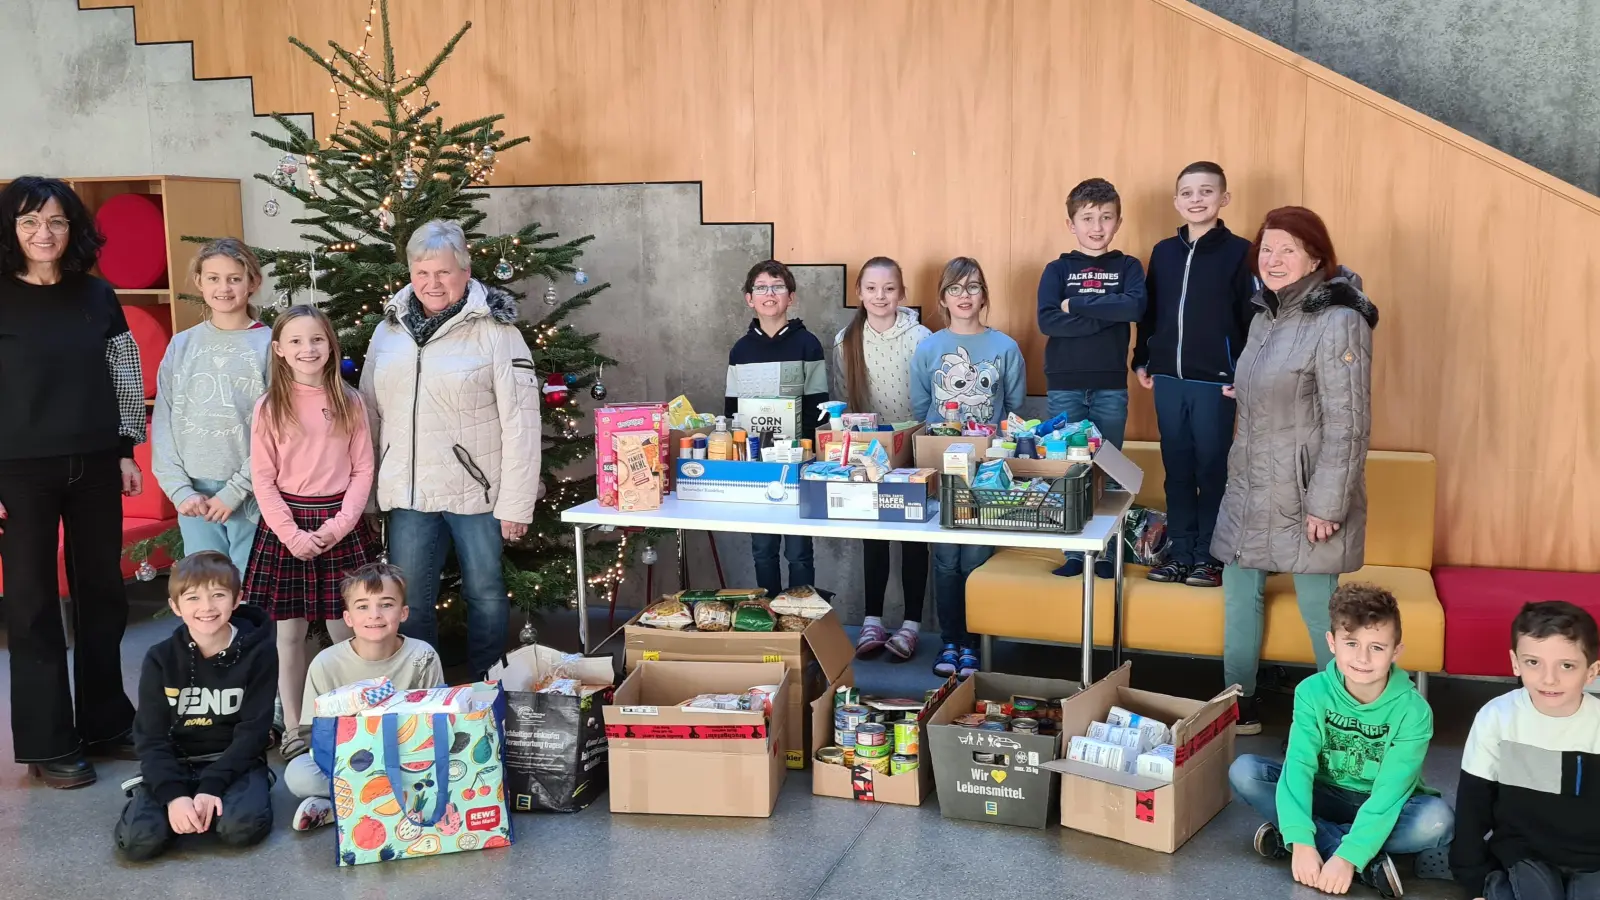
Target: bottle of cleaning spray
832 412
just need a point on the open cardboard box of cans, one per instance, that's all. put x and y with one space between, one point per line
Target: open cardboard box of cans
868 754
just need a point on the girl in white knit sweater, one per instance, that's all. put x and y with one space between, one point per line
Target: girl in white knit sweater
871 372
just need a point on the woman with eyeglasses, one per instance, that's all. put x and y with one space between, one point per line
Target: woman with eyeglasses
73 409
976 372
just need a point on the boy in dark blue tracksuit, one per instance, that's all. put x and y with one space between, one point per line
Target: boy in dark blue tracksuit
1194 328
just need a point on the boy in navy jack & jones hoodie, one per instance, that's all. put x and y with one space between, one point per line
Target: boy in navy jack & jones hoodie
1187 346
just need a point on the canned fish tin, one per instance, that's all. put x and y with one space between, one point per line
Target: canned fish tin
844 737
970 720
845 695
879 765
831 755
988 759
873 751
1025 725
906 739
872 734
849 716
901 763
1002 719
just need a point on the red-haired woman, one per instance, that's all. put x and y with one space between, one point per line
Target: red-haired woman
1296 500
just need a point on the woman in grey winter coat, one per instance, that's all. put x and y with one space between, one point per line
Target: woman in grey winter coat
1296 499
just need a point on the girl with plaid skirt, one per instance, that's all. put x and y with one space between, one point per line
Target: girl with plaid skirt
312 467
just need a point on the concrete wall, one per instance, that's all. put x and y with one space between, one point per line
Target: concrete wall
83 99
1519 75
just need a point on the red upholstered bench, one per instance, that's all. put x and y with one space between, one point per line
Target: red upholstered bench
1479 605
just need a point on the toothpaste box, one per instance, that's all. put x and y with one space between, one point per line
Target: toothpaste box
1157 763
610 421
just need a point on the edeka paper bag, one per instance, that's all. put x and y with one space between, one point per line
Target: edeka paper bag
406 786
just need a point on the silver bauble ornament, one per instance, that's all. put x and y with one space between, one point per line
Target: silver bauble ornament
145 572
598 390
580 276
270 208
289 165
550 298
528 634
486 155
503 270
649 556
408 180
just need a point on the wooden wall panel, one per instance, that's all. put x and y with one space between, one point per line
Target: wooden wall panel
924 129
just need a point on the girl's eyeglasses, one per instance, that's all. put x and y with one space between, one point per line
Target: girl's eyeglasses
971 289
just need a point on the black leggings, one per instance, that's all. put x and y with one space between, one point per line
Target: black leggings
913 575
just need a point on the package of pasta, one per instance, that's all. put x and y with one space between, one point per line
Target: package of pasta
672 615
726 595
713 615
803 601
792 623
753 615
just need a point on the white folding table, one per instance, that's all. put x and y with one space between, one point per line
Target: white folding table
753 518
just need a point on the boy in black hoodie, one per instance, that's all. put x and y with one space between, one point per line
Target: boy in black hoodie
1087 301
205 718
1188 343
778 357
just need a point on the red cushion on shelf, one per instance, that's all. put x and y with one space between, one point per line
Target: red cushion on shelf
151 327
1479 605
135 254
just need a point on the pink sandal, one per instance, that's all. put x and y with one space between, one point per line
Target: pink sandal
903 644
872 639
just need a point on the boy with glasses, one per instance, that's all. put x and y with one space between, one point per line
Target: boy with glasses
778 357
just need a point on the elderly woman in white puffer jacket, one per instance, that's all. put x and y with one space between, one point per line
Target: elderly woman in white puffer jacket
453 387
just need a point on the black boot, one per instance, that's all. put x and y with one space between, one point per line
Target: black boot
66 773
111 748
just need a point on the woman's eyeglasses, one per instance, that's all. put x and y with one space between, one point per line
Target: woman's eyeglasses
971 289
32 224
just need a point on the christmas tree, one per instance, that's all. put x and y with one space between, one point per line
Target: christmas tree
365 190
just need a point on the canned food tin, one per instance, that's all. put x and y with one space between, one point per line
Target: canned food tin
849 756
901 763
1024 707
849 716
872 734
844 737
873 751
879 765
992 726
998 717
990 759
831 755
906 738
846 696
1025 725
970 720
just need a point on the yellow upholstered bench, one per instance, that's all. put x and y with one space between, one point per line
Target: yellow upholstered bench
1015 596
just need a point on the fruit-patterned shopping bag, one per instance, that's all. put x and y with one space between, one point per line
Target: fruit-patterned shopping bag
409 780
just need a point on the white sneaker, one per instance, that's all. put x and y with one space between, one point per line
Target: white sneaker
314 812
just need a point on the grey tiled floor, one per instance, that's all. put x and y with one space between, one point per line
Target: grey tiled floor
57 844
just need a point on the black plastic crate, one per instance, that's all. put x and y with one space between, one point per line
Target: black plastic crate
1064 509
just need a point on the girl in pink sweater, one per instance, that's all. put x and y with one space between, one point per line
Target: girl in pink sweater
311 464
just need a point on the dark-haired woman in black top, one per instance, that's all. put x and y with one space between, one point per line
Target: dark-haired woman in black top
72 404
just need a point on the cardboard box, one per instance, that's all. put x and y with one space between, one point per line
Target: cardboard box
609 421
899 444
695 763
735 481
860 782
1134 809
1109 462
868 502
815 658
1018 792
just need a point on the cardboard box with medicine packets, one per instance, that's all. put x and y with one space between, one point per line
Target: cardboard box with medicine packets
1149 812
648 419
994 776
858 782
815 658
672 761
1108 462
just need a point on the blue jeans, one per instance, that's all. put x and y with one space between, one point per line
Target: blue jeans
952 563
1108 410
1196 425
418 544
802 571
1425 822
232 538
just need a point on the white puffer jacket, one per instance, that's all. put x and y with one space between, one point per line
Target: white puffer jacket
457 419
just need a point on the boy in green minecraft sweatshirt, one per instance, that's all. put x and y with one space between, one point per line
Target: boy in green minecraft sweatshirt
1350 792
